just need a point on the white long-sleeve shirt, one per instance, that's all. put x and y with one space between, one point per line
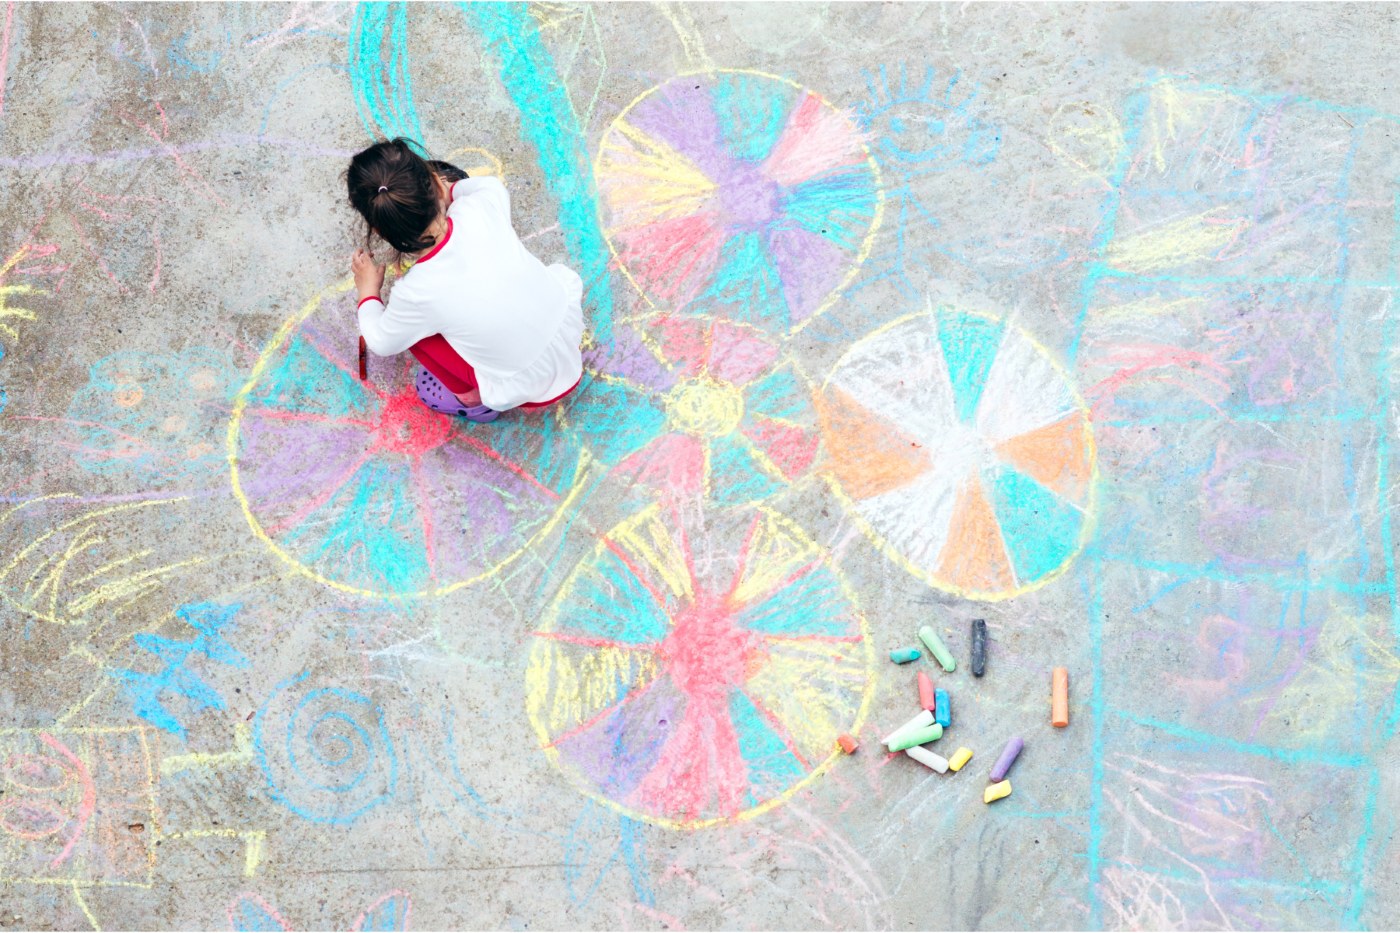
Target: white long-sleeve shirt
515 320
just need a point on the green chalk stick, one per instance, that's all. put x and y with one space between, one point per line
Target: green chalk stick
938 649
927 734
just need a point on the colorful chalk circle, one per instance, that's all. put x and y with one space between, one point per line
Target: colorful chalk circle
963 451
739 192
693 673
359 486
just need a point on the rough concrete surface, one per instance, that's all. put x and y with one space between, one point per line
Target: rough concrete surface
1077 319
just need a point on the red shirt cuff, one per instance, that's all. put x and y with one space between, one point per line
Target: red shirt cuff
370 298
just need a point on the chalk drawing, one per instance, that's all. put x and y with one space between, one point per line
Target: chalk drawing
254 842
740 194
9 314
146 690
692 671
360 487
72 566
917 129
68 801
390 912
963 450
737 422
325 750
159 417
249 913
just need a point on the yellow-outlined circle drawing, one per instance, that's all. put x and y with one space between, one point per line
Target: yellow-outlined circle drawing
550 674
866 244
1089 509
281 339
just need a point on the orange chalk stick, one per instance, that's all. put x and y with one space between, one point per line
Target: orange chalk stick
1059 697
926 698
848 744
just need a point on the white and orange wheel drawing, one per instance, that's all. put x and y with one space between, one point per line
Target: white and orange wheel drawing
963 450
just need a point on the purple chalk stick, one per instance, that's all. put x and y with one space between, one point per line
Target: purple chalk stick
1008 755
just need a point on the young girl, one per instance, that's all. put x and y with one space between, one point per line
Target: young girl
492 326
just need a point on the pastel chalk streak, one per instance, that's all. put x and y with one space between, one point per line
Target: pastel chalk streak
928 759
1059 697
926 697
996 792
364 374
847 743
1008 756
923 719
979 647
942 709
960 757
904 655
937 648
917 737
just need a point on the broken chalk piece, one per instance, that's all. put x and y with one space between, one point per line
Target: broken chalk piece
904 655
1008 755
363 374
918 737
942 711
1059 697
936 648
960 757
847 743
923 719
979 647
928 759
996 792
926 698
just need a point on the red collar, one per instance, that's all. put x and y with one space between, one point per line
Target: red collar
440 244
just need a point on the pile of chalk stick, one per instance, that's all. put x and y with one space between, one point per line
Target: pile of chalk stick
914 737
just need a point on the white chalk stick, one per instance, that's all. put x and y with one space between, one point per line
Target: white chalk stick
925 718
925 757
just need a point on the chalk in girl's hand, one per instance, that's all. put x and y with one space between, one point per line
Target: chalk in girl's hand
904 655
1008 755
363 374
918 722
960 757
937 648
942 711
927 758
848 744
926 699
996 792
979 647
1059 697
917 737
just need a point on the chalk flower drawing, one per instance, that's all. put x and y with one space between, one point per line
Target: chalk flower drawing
739 192
158 416
737 421
963 450
690 673
326 751
360 487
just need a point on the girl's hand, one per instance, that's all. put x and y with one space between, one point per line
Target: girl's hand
369 278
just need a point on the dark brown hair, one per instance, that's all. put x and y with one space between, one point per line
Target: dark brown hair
394 190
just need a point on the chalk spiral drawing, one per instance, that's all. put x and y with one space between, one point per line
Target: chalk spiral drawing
326 751
360 487
694 671
158 416
742 194
737 423
963 450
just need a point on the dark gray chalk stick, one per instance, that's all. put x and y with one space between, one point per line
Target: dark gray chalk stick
979 647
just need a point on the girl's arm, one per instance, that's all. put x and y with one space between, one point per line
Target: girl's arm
387 330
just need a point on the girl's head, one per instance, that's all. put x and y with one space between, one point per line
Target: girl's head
396 193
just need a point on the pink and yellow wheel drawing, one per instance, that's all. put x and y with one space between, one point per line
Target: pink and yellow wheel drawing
963 451
362 488
740 192
690 675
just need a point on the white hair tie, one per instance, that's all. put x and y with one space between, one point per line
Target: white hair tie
383 188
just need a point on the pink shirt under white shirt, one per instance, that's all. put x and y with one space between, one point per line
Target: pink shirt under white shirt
517 321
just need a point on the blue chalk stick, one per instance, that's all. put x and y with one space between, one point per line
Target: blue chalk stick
904 655
942 710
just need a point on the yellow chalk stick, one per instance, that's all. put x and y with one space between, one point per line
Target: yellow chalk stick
960 757
996 792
